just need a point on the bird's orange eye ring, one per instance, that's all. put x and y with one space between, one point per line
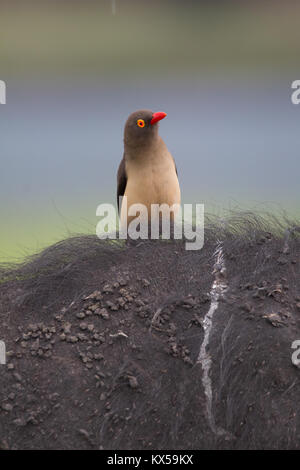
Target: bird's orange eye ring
141 122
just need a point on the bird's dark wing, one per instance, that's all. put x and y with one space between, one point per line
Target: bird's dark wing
175 166
122 180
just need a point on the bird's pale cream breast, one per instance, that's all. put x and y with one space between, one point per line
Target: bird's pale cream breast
151 179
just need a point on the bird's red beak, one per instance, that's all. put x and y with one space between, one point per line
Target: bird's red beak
157 117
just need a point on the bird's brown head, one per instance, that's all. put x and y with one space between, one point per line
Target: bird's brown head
141 128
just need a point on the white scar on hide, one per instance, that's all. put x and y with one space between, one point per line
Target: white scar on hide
217 291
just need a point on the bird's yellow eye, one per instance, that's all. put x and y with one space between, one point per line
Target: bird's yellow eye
141 122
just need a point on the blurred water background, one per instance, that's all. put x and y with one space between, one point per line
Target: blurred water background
74 70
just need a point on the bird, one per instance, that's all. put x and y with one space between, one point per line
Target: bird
147 173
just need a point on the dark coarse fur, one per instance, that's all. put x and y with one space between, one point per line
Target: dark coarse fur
118 370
